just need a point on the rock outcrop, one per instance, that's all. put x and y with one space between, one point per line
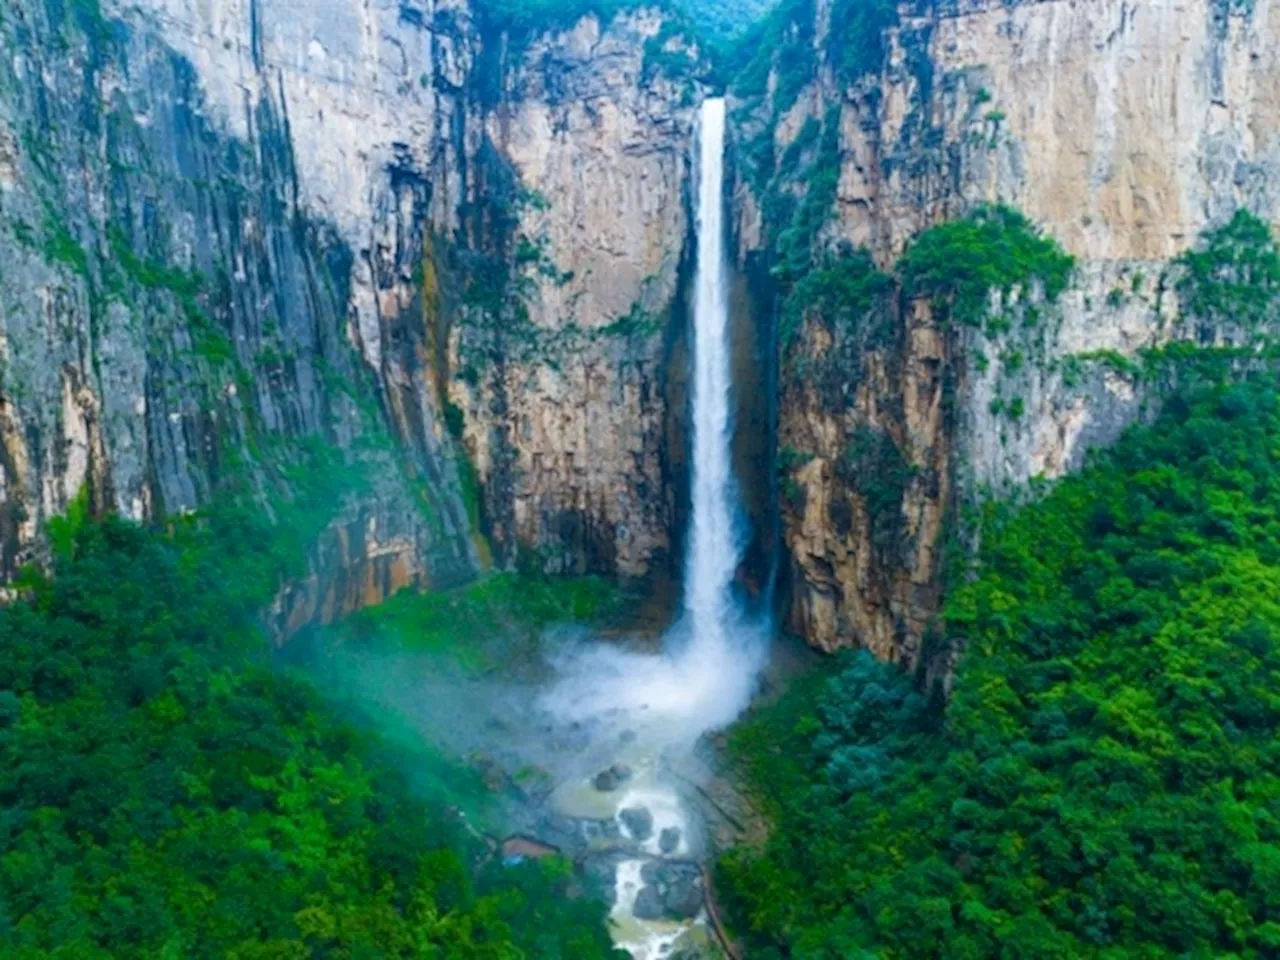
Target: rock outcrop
565 394
1124 130
264 247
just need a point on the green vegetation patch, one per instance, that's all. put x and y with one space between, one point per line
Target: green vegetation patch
781 45
166 793
721 21
844 291
873 465
1106 780
1233 279
484 626
522 20
994 248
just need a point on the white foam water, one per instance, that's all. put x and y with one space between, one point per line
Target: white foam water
712 657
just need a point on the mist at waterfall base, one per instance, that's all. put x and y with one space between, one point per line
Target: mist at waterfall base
712 657
587 706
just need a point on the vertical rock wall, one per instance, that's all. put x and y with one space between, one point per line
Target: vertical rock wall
174 323
1124 130
564 392
242 236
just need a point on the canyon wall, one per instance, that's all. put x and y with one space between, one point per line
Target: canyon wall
385 268
564 380
1122 129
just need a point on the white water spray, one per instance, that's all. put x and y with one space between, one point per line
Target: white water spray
714 546
713 655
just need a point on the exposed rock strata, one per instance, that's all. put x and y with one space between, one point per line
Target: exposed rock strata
236 231
1124 130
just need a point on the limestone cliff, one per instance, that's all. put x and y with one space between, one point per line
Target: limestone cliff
1123 129
564 380
246 244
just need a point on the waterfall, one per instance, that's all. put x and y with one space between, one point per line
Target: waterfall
643 712
714 543
714 653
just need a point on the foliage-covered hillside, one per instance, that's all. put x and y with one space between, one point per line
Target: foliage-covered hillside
724 19
166 793
715 21
1106 781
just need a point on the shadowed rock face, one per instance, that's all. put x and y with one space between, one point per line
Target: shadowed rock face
1123 131
175 323
238 233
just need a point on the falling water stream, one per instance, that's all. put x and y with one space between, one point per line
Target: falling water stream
715 545
651 709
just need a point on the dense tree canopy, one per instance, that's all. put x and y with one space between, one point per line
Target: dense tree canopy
165 793
1106 781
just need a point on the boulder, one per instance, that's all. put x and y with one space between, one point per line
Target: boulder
607 781
639 823
649 904
601 831
669 840
683 898
651 872
561 831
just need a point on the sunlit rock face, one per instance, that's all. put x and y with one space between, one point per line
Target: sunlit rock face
568 415
238 231
1124 130
562 163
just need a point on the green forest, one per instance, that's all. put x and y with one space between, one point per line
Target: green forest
1106 779
400 353
166 791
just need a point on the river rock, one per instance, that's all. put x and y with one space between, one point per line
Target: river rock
669 840
649 904
561 831
683 898
602 831
607 781
639 823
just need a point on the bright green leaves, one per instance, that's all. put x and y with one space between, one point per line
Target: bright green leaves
959 264
844 291
166 793
1106 779
64 529
1233 280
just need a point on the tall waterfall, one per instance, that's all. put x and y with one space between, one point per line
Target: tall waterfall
713 653
643 712
714 544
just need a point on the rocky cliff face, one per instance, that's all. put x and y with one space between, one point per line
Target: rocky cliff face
239 235
564 381
1123 129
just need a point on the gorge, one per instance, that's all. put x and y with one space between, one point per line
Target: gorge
557 358
480 290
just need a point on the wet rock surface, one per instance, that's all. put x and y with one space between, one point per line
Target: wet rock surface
649 904
677 885
683 899
601 831
600 873
669 840
607 781
639 823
